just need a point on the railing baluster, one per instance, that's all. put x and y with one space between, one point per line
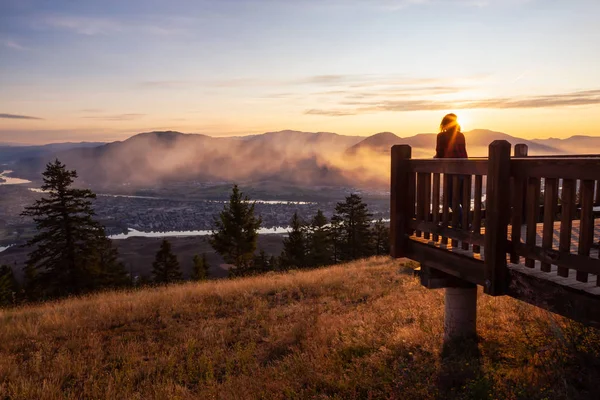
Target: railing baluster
477 209
533 212
566 220
435 208
420 199
446 205
517 216
586 225
427 202
455 205
466 199
550 202
597 198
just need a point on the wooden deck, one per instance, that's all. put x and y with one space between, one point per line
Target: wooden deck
591 286
552 261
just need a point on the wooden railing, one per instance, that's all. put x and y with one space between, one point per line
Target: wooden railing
519 210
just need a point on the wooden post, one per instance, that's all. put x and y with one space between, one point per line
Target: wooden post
402 199
497 218
521 151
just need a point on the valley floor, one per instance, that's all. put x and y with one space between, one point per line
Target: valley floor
365 330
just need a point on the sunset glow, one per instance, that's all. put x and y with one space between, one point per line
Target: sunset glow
73 71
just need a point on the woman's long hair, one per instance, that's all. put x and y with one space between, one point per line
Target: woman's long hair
450 122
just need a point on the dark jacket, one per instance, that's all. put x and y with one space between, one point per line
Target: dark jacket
451 145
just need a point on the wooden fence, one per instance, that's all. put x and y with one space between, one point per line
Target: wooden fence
537 212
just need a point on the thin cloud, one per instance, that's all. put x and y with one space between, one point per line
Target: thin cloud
166 84
11 44
579 98
15 116
92 26
116 117
331 113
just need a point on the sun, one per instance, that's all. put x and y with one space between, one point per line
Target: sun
463 120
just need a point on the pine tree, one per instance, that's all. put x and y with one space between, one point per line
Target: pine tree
381 238
261 263
235 233
8 286
70 249
200 268
354 218
295 245
165 268
319 241
336 238
111 272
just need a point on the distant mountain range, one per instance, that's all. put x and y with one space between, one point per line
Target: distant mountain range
298 158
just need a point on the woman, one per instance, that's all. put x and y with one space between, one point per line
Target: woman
451 143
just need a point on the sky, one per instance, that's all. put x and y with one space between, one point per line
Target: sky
82 70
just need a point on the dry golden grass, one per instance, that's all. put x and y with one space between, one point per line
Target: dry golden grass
365 330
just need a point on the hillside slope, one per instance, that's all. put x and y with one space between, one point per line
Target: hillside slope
356 331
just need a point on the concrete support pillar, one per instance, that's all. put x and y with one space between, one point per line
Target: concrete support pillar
460 313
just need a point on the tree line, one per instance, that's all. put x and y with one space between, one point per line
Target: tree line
72 255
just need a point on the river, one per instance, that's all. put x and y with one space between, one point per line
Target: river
7 180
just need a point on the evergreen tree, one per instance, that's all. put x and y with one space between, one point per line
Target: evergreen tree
111 272
235 233
165 268
381 238
319 247
295 245
200 268
8 286
336 232
261 263
354 218
70 250
273 263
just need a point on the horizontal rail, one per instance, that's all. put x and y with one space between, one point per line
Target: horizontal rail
456 166
456 234
461 266
572 168
559 258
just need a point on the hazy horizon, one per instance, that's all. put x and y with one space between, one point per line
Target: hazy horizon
80 71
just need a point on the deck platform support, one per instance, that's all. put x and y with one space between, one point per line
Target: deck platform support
460 313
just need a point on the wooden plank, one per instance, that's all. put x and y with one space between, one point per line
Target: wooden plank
435 207
571 303
461 266
533 210
550 202
477 210
497 218
452 233
420 199
466 200
597 198
433 278
562 259
446 206
566 220
455 204
586 226
566 168
427 202
518 201
402 208
459 166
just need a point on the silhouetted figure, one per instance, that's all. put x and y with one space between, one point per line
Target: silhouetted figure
451 143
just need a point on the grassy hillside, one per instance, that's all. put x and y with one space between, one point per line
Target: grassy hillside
358 331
